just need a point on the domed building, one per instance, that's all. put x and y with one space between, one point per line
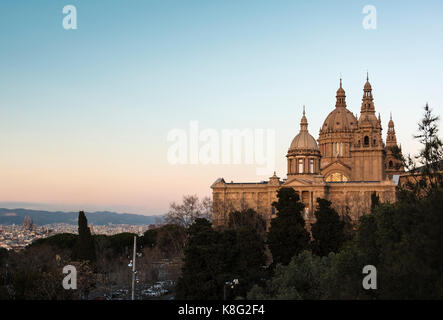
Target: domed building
346 165
303 154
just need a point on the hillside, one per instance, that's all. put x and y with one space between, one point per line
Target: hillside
40 217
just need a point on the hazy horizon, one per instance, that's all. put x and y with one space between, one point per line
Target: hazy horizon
67 208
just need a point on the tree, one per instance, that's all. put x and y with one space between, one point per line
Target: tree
428 177
375 200
431 154
328 230
303 278
150 238
287 235
213 257
171 240
247 219
60 241
201 264
192 208
250 229
84 249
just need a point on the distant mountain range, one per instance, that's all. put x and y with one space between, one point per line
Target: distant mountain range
39 217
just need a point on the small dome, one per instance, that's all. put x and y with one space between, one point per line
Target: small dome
304 141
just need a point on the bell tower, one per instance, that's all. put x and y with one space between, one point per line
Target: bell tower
393 164
368 150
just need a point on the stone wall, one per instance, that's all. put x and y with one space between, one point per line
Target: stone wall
351 198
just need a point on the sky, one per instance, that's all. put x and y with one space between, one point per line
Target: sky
85 113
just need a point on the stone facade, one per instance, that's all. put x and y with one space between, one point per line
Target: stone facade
348 164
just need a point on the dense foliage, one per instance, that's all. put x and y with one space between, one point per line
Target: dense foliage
287 235
215 257
328 231
402 240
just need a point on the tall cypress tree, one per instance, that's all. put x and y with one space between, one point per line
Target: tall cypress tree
287 235
85 248
328 230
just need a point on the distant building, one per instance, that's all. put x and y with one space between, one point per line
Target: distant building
28 224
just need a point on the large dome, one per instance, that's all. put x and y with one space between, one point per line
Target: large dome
303 141
340 119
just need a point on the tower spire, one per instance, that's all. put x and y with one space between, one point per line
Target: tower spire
341 96
367 104
304 121
391 139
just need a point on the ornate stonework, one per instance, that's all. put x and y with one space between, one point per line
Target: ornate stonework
348 164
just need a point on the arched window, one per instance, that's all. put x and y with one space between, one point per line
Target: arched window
311 165
366 141
391 164
300 166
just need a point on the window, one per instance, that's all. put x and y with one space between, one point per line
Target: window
336 177
311 165
391 164
300 166
366 143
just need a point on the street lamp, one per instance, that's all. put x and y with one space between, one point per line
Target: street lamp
132 264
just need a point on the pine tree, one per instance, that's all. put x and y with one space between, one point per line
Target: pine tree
328 231
287 235
428 177
85 248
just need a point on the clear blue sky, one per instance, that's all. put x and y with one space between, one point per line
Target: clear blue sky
84 114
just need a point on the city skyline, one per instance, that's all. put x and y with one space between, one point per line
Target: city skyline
85 113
